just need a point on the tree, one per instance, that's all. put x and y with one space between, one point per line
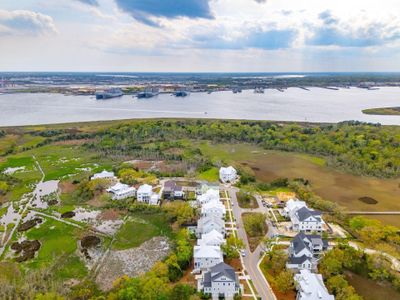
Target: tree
182 292
49 296
284 281
254 224
231 247
174 269
179 211
277 261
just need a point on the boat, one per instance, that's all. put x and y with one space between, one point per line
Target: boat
181 94
109 93
148 93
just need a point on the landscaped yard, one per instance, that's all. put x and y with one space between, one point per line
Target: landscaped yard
140 228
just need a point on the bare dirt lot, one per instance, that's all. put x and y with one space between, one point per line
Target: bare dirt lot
132 262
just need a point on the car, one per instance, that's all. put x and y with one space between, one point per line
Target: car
243 252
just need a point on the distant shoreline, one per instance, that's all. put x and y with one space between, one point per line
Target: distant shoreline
388 111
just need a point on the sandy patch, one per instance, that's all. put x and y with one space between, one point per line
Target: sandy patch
132 262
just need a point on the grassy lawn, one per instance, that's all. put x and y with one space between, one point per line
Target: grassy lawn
246 200
58 245
211 175
255 227
140 228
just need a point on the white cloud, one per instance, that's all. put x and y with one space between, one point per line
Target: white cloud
25 22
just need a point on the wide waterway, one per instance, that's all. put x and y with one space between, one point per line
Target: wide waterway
294 104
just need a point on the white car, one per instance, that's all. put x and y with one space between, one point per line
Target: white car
243 252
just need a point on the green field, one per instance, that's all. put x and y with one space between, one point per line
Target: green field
211 175
140 228
59 243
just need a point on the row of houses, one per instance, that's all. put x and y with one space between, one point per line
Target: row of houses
217 279
144 193
303 218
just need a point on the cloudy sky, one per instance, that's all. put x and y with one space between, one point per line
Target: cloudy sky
200 35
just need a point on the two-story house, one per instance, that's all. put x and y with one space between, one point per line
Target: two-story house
206 257
220 281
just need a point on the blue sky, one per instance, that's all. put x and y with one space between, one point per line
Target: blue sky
200 35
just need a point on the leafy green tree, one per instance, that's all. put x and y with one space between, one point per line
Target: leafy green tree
182 292
284 281
231 247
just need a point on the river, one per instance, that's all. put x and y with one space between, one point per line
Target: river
294 104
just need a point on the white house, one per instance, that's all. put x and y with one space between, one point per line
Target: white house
292 206
220 282
206 257
213 238
103 175
228 174
307 220
311 286
210 223
154 199
209 195
145 194
213 208
121 191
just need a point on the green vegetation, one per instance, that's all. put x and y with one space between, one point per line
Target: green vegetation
343 257
273 267
256 228
232 247
179 211
139 228
58 245
394 111
246 200
211 175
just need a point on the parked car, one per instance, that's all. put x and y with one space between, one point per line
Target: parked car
243 252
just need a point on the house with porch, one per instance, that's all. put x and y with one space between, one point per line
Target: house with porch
121 191
172 191
206 257
220 281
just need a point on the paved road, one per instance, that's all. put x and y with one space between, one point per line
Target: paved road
251 260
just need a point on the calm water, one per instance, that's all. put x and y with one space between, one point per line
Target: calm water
316 105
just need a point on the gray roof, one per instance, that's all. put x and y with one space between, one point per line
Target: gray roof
171 186
302 240
304 213
298 260
222 269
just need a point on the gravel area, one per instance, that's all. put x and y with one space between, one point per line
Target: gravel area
132 262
